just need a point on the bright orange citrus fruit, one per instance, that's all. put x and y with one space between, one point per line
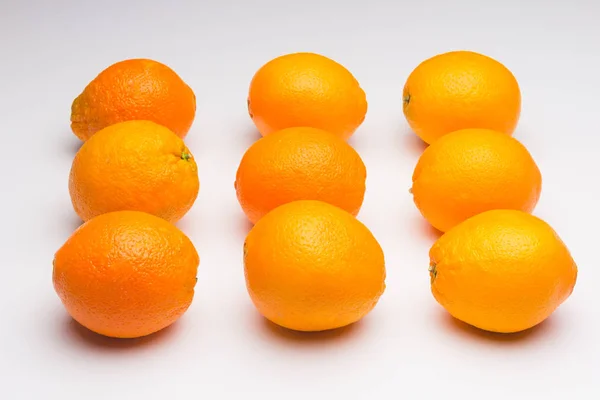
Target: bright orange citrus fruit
306 89
136 89
471 171
300 164
501 271
134 165
126 274
461 90
311 266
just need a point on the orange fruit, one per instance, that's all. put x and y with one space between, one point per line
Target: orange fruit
126 274
460 90
471 171
311 266
300 164
501 271
306 89
136 89
134 165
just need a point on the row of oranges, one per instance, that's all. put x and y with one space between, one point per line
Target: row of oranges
309 263
128 271
496 267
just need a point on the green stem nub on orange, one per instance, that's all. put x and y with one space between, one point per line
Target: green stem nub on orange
432 270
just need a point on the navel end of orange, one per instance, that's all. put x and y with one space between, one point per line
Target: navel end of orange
78 130
79 125
249 108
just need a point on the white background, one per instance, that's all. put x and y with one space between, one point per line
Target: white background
407 348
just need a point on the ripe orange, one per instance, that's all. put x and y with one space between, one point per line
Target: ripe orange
311 266
136 89
460 90
134 165
306 89
502 271
470 171
300 164
126 274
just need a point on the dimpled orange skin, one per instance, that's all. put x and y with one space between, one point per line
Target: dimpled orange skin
460 90
134 165
300 164
126 274
471 171
306 89
502 271
136 89
311 266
